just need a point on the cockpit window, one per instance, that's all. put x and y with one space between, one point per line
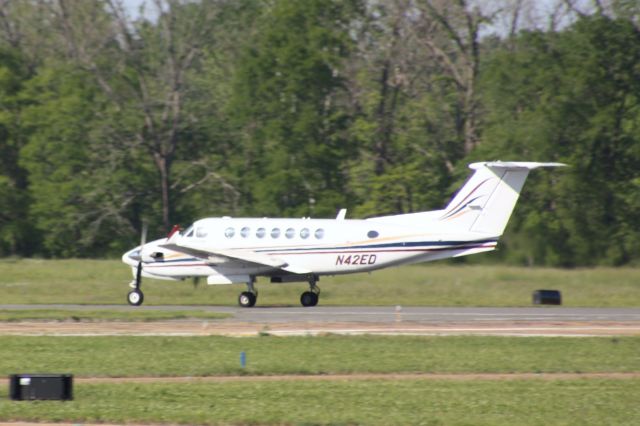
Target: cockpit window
188 232
201 232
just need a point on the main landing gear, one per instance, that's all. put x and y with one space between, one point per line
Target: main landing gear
247 299
135 297
310 298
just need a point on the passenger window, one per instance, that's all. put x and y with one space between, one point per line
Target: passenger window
275 232
304 233
290 233
260 233
245 232
372 234
201 232
319 233
229 232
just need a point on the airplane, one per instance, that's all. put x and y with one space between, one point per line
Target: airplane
229 250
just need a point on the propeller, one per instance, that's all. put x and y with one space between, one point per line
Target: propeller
143 236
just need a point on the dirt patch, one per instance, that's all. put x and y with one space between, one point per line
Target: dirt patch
240 329
356 377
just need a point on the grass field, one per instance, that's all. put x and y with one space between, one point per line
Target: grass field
337 402
214 355
413 402
105 281
345 401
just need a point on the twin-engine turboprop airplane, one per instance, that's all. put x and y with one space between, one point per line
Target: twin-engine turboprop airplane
231 250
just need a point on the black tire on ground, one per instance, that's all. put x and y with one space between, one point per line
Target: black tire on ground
135 297
247 299
309 299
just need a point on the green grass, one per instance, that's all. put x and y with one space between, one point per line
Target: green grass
367 402
105 281
215 355
105 315
375 402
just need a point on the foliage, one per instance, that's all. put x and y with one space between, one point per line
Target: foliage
15 229
289 108
572 97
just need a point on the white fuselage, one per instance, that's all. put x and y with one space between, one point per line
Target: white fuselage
314 246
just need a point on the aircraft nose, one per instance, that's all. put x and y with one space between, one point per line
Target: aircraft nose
132 256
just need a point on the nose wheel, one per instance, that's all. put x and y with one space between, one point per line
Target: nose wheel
135 297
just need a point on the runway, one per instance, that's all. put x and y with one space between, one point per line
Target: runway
392 320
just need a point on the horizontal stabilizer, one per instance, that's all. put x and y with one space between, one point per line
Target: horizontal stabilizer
513 165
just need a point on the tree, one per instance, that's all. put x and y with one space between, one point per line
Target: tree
288 98
15 230
142 68
573 97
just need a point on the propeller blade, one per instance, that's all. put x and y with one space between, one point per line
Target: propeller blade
143 236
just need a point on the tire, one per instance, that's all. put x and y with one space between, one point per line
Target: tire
309 299
247 299
135 298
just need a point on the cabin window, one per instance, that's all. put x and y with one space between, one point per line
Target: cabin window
290 233
319 233
372 234
201 232
229 232
304 233
245 232
275 232
260 233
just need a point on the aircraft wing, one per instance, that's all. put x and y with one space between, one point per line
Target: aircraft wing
245 256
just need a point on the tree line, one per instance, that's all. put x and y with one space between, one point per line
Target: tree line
185 109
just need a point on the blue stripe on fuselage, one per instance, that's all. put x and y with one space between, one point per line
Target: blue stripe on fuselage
413 244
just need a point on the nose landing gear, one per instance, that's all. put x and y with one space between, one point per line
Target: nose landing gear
135 297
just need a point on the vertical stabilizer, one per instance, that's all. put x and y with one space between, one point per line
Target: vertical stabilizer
485 203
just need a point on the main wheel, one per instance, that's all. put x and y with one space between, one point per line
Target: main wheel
135 297
247 299
309 298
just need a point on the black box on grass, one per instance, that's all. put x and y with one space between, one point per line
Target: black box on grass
29 387
547 297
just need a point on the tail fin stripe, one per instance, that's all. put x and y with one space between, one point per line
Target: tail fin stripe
453 213
454 209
